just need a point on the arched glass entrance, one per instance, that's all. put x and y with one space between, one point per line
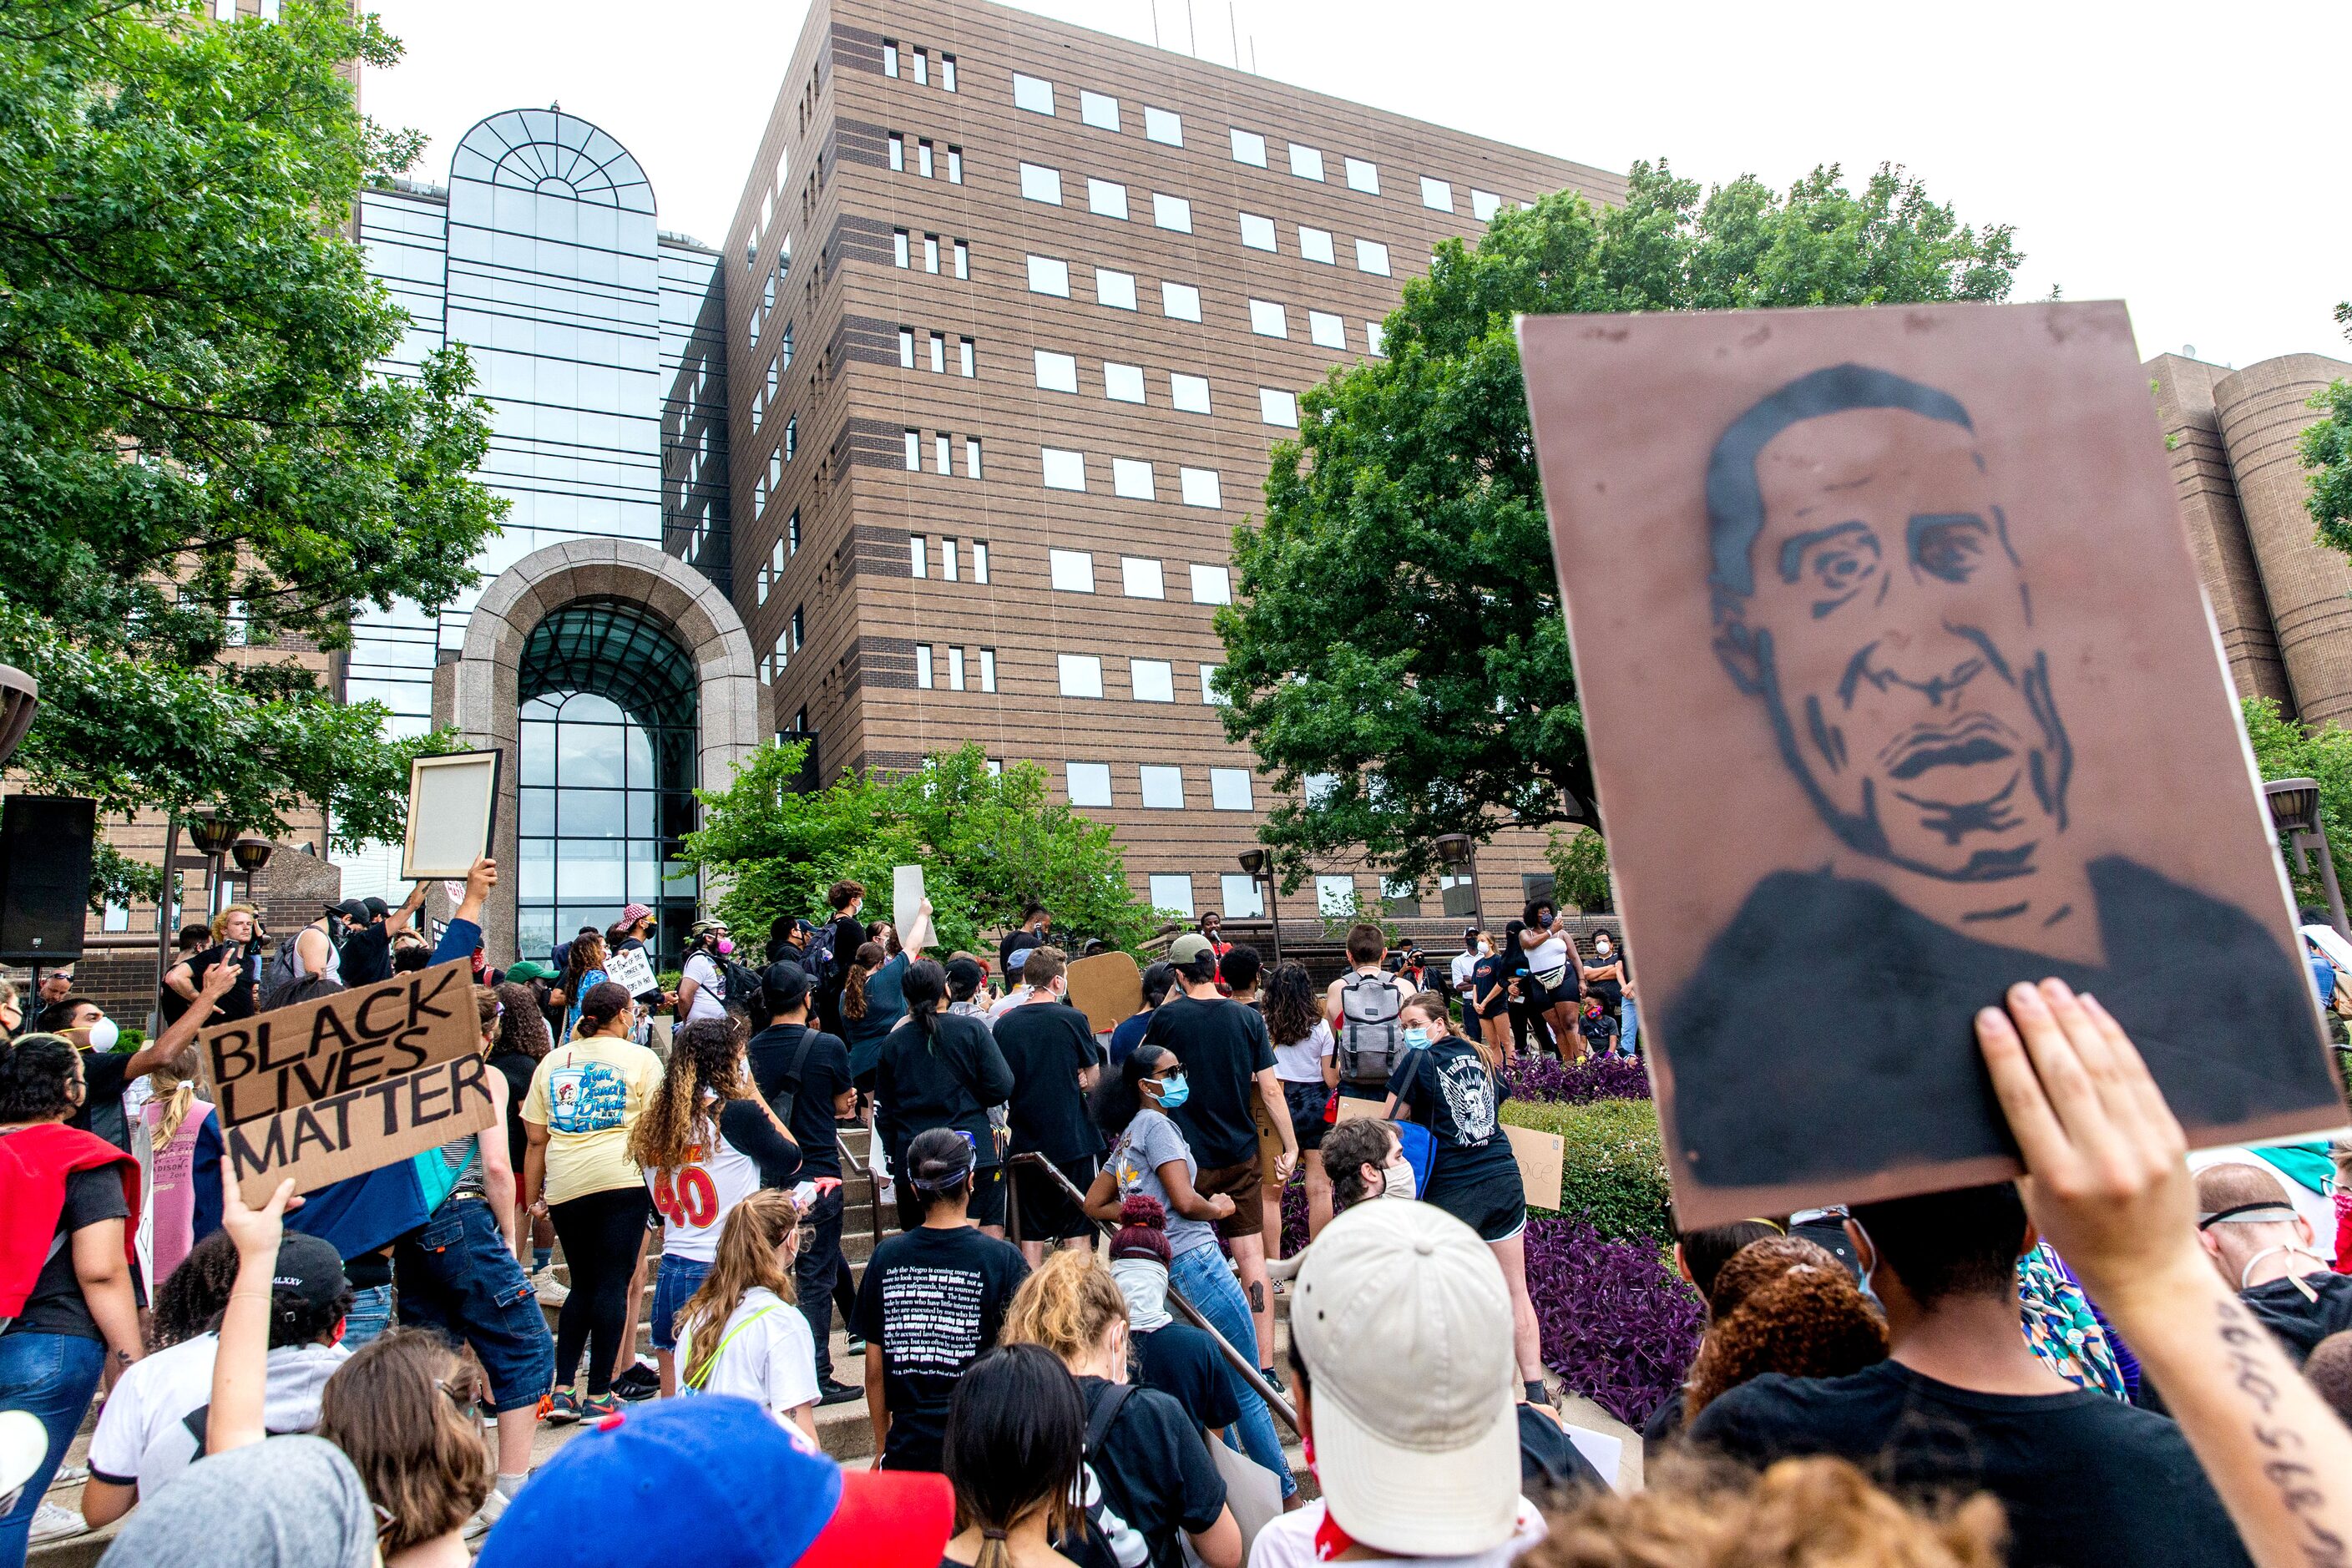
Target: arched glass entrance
606 710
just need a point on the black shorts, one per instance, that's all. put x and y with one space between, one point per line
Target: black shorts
1046 1212
1307 1102
1495 1204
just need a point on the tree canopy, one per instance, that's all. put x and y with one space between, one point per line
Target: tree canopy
990 845
1396 654
195 456
2327 451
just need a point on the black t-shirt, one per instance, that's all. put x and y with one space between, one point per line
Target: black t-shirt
56 1305
2299 1324
237 1001
1223 1047
1450 1091
1155 1472
1047 1045
849 936
1488 978
104 1075
1178 1360
824 1075
745 1124
365 956
947 1080
517 1070
931 1302
2088 1482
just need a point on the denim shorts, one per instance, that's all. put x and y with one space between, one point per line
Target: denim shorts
674 1287
457 1276
371 1315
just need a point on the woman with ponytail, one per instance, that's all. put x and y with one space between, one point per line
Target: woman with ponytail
585 1099
175 1122
707 1143
939 1068
1016 1453
741 1333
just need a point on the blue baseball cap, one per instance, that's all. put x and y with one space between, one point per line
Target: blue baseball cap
720 1473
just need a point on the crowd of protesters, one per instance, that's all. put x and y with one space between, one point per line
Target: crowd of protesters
2116 1361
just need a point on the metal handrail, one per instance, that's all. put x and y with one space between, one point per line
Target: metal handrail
866 1168
1246 1365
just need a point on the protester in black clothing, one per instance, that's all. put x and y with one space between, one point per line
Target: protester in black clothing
1962 1404
1031 933
803 1075
1015 1454
2262 1248
191 941
106 1072
932 1301
364 955
1052 1055
1147 1448
234 932
788 940
942 1071
846 898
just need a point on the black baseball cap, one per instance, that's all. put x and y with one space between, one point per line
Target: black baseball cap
350 908
309 1269
786 984
376 907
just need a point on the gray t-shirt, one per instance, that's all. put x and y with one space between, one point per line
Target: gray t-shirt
1151 1141
290 1502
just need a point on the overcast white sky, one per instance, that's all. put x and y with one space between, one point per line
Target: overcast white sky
2185 158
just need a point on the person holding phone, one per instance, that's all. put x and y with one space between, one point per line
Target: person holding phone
234 943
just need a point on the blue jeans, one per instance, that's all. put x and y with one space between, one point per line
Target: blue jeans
457 1276
674 1287
52 1376
1202 1276
1630 1035
371 1315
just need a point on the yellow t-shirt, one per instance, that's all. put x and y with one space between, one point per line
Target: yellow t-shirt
588 1094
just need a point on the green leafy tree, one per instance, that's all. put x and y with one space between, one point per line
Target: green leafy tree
196 458
2286 749
989 845
2327 451
1579 867
1398 635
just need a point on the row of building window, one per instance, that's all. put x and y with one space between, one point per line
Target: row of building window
953 662
902 252
916 62
1109 198
787 545
1139 577
943 446
1131 478
1149 680
964 356
1165 126
1182 302
1159 786
925 161
951 559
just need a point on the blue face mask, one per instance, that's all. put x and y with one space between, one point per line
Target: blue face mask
1174 1091
1416 1038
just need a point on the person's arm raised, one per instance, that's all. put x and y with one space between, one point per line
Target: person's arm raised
241 1364
2107 1183
168 1048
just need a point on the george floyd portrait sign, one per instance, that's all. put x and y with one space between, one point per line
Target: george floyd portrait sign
1900 690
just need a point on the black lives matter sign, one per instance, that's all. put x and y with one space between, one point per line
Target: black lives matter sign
332 1088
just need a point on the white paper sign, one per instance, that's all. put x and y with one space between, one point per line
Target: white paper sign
631 971
452 804
914 927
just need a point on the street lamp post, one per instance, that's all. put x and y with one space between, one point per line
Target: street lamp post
212 837
2295 808
251 852
1456 849
1259 867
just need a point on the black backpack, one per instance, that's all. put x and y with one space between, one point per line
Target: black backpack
283 983
818 960
745 993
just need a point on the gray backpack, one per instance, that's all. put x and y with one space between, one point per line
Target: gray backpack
283 983
1371 1044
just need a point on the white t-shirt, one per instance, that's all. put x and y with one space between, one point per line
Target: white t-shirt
710 996
1289 1542
770 1356
1463 962
1301 1061
1009 1001
695 1199
144 1433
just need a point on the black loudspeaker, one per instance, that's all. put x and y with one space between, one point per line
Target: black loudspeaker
45 843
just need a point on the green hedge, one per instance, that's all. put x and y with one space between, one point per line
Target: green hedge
1613 1172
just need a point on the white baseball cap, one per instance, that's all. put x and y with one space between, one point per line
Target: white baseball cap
1404 1323
23 1443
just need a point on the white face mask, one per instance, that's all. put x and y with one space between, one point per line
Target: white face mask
103 1034
1397 1179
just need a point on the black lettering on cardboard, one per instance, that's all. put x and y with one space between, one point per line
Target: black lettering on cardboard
308 1131
232 1054
389 1092
366 1017
408 1043
264 1032
429 1089
362 1064
244 1159
420 1003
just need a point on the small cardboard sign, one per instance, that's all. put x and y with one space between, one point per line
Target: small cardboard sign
1354 1110
349 1041
1269 1144
1107 988
631 971
349 1135
1542 1158
914 927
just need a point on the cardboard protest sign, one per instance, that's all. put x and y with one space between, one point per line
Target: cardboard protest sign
631 971
453 802
1543 1164
914 927
1352 1108
330 1089
1900 690
1107 988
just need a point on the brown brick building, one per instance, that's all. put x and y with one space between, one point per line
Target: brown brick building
1015 313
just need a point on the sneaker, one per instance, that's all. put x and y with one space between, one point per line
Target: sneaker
561 1408
595 1407
853 1346
830 1392
550 1291
486 1515
1272 1379
51 1522
637 1383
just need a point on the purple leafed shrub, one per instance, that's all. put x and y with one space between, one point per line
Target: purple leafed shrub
1294 1217
1617 1327
1545 1078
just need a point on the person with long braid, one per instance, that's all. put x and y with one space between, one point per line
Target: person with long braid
706 1143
